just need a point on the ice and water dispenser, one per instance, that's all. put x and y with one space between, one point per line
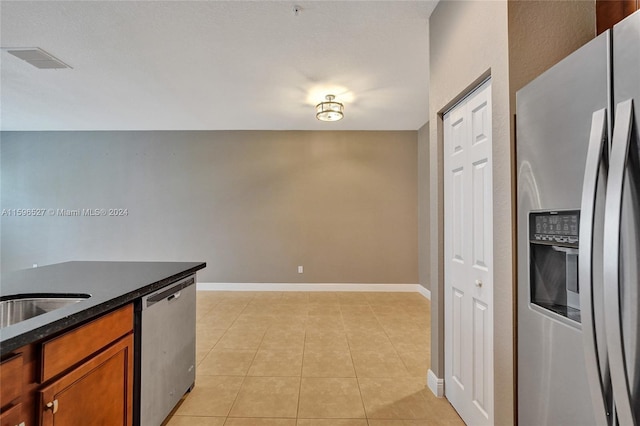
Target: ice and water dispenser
553 251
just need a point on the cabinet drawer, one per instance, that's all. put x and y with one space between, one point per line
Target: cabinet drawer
12 416
11 379
64 351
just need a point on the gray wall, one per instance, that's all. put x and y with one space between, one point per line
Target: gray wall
468 40
512 41
253 204
424 234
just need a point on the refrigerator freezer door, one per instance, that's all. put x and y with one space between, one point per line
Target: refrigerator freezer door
625 351
554 115
593 190
621 277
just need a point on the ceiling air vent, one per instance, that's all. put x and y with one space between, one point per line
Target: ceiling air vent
38 58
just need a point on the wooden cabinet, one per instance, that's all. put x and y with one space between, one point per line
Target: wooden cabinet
11 379
82 376
610 12
98 389
85 341
11 390
12 416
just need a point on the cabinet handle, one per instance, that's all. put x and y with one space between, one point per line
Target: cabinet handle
53 406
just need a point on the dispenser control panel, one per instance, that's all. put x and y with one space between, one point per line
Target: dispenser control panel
555 227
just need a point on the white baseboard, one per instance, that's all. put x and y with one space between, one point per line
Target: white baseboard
423 291
435 384
405 288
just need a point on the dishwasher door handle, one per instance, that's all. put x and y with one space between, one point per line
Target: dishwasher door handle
172 292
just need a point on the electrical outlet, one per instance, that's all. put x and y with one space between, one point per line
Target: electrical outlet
35 265
300 269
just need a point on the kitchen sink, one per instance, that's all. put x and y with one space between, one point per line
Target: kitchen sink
14 309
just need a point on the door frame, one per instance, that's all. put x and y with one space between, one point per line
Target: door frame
435 374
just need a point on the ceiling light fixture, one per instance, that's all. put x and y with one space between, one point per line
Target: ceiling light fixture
329 110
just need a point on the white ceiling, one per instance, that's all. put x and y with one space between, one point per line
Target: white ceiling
215 65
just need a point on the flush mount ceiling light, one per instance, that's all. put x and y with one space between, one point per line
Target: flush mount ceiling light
329 110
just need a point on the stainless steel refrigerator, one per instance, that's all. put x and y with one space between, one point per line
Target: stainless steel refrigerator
578 202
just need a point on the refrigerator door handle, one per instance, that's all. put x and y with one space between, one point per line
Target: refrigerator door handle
612 221
594 163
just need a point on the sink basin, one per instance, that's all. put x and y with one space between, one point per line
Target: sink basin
14 309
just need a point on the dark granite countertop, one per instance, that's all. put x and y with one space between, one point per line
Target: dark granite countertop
110 284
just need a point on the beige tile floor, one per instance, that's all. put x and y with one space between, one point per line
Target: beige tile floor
312 359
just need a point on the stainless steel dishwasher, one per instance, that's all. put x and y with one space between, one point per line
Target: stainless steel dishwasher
167 346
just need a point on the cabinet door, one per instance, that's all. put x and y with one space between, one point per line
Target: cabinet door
98 392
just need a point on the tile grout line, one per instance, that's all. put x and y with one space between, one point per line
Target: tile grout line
301 369
247 372
395 349
366 416
217 340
